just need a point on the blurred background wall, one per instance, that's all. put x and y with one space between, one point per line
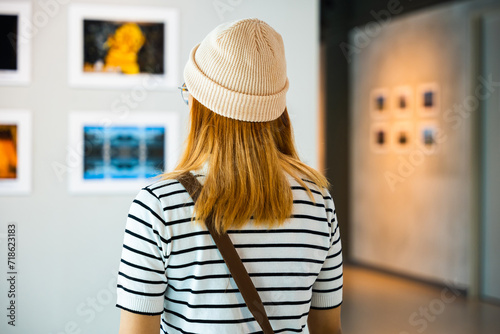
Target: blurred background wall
424 215
69 246
411 211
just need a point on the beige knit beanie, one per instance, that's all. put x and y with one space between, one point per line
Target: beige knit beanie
239 71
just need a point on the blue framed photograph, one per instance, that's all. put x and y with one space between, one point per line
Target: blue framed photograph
122 154
429 136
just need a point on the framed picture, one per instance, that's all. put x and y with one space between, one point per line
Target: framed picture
403 101
402 136
15 43
428 100
123 46
15 152
379 103
379 137
121 154
428 136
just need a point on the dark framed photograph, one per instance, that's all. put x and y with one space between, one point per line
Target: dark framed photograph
15 44
379 103
379 137
403 105
402 136
428 100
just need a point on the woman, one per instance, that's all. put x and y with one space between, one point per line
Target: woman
276 210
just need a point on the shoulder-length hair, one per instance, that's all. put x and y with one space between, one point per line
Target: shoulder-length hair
248 168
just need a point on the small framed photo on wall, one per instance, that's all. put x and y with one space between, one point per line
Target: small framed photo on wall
428 100
114 46
379 137
121 154
403 101
15 152
402 136
15 43
428 133
379 103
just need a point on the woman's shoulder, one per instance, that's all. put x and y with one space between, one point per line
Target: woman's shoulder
162 187
167 185
307 186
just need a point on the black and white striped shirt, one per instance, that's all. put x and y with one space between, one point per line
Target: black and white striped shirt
171 266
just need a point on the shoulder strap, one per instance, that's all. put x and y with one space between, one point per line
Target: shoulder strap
233 261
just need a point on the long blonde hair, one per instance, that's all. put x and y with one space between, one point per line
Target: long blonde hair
248 163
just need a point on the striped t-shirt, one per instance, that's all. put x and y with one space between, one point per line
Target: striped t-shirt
171 266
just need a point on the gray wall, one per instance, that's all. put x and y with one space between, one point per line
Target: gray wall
491 161
424 224
69 246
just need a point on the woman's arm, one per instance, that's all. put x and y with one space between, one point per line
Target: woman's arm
324 321
132 323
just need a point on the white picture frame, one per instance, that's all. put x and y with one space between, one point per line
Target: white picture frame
94 70
15 148
95 168
428 100
402 136
379 137
15 67
380 103
428 136
403 101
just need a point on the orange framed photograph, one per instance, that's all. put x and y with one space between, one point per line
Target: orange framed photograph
8 151
15 152
123 46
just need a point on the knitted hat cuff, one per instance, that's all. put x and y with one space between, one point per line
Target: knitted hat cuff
230 103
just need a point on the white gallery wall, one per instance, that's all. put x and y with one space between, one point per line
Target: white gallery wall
414 209
68 246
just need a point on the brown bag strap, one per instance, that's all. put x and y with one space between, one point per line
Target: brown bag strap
233 261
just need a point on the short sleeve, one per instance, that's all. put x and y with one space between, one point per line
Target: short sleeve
141 277
327 290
